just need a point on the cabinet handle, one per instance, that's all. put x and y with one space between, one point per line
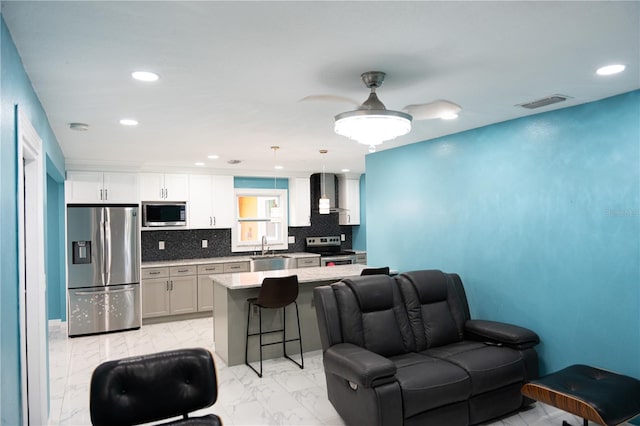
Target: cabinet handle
210 221
167 285
101 195
166 193
171 285
234 267
214 221
106 194
210 269
154 273
183 270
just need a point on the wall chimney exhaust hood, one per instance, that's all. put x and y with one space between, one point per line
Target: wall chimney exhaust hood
330 191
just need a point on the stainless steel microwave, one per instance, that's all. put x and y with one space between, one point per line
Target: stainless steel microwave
164 214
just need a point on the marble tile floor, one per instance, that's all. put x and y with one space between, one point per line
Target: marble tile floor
285 395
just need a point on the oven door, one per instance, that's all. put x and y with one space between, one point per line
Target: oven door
337 260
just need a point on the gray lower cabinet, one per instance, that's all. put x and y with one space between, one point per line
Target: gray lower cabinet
240 266
155 297
361 258
205 285
176 290
169 291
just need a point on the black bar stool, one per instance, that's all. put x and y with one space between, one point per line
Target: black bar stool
275 293
375 271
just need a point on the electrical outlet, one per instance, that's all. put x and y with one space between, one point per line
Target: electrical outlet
205 243
343 237
160 245
292 239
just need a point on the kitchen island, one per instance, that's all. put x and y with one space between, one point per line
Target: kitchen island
231 292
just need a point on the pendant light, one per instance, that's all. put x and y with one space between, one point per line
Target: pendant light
275 214
324 205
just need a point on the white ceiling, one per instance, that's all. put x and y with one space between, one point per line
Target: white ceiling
232 73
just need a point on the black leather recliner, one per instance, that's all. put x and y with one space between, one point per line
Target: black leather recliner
404 351
154 387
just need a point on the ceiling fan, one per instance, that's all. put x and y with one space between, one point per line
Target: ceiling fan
372 123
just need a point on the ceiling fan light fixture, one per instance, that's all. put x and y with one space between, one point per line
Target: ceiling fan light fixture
372 127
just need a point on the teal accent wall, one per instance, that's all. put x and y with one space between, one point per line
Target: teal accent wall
56 307
541 218
260 183
16 90
360 232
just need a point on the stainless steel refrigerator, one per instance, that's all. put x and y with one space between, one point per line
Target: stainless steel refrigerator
103 265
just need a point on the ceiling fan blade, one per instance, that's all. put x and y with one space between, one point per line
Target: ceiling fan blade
330 98
431 110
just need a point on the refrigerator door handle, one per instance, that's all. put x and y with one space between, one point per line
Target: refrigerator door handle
102 248
107 246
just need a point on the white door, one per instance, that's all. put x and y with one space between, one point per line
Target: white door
33 321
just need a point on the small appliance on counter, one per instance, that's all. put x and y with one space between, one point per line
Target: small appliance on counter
330 251
103 265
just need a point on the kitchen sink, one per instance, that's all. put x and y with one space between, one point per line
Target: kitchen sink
271 262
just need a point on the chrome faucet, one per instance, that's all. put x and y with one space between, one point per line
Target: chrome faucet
264 243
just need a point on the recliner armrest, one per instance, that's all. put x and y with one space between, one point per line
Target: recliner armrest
493 332
359 365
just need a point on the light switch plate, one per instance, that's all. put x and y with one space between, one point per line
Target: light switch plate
205 243
292 239
160 245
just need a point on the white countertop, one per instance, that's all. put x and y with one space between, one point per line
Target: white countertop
242 280
227 259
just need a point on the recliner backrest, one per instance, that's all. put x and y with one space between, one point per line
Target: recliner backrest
436 306
372 315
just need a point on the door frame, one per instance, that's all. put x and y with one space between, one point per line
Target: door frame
32 279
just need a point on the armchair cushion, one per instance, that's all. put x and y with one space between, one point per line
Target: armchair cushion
489 367
499 333
428 382
358 365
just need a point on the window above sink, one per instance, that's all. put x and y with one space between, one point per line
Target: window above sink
260 213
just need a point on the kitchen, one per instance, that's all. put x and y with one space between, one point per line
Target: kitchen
178 254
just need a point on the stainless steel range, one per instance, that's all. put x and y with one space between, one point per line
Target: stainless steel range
330 251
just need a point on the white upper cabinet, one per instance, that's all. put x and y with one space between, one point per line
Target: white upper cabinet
164 187
211 202
349 201
102 187
299 202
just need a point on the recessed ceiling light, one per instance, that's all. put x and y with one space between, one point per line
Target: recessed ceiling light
145 76
213 157
610 69
278 167
199 163
345 170
129 122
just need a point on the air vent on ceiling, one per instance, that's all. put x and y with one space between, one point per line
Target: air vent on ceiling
554 99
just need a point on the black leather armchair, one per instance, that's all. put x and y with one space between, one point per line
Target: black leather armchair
154 387
404 351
